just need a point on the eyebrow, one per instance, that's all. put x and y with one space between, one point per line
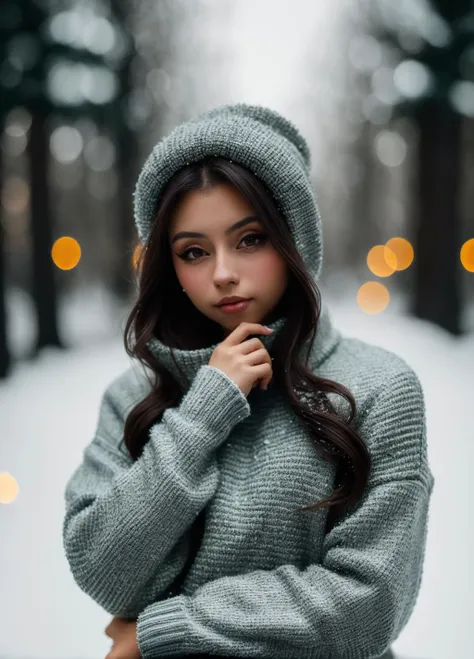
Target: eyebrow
231 229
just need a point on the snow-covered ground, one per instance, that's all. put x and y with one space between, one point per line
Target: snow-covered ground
48 412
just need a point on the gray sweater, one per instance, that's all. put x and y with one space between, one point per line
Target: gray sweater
263 580
201 538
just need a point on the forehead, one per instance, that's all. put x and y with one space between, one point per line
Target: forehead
206 209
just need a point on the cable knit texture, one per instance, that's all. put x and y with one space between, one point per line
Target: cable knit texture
201 538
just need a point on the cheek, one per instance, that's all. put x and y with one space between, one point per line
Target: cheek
269 268
191 279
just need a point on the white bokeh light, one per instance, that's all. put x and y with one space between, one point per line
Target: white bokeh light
462 97
412 79
66 144
390 147
99 153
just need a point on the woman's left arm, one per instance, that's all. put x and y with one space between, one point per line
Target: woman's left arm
354 603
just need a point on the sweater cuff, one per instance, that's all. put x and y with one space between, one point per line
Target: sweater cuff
163 628
215 399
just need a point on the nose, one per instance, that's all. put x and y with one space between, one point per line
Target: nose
224 272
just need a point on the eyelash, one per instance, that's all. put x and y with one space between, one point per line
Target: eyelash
185 255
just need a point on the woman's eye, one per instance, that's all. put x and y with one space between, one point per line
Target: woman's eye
260 236
251 236
185 255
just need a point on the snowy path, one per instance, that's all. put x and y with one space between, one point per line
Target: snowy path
48 412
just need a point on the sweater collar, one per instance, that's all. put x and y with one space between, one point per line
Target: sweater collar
186 363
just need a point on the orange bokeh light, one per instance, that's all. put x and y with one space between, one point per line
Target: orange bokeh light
136 254
403 251
467 255
381 261
373 297
66 253
8 488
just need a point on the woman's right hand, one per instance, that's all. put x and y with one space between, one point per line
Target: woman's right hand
244 362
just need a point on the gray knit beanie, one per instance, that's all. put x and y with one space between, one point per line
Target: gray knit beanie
257 138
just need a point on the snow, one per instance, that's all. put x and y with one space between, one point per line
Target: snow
48 412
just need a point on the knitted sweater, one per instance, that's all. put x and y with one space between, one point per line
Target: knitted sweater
201 538
266 581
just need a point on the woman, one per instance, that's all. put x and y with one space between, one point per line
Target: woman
253 492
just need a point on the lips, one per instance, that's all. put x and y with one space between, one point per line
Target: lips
235 307
235 301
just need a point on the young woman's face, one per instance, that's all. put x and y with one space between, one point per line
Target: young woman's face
242 262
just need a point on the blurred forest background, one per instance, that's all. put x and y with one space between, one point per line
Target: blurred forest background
383 91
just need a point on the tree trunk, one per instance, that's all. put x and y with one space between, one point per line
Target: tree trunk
5 358
43 269
126 143
436 264
122 276
363 230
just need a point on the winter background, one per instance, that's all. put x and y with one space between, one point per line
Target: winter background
333 71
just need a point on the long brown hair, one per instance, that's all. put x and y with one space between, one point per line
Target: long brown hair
164 311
